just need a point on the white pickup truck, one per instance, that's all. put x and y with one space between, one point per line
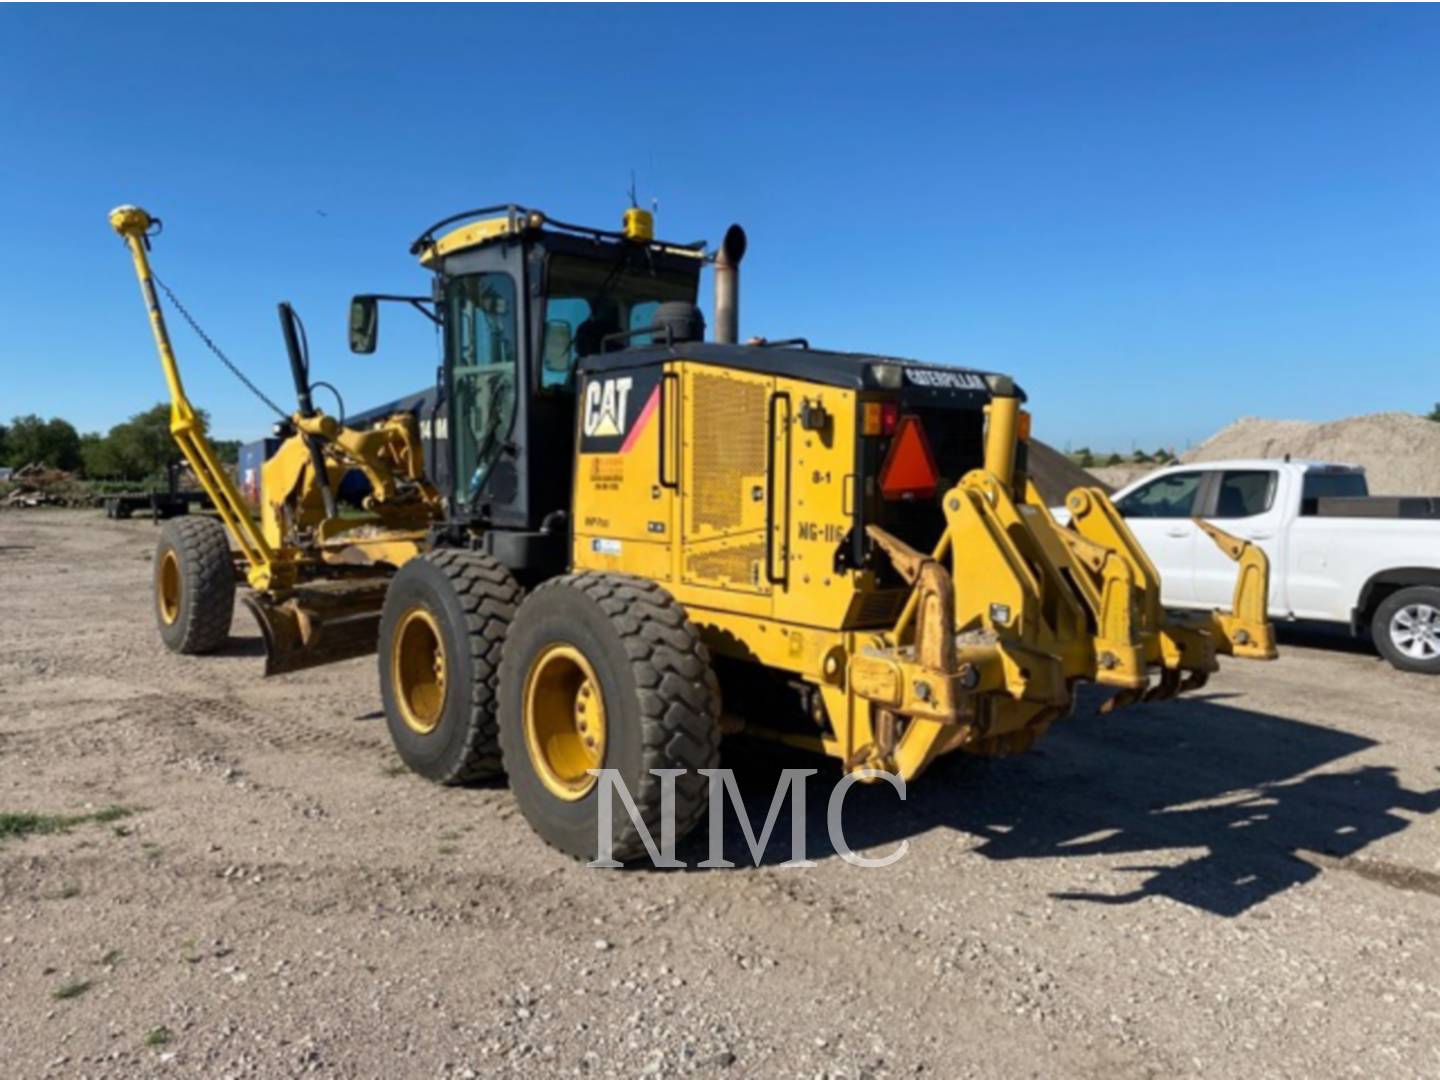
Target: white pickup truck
1336 553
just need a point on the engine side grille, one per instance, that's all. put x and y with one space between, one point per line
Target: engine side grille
736 566
728 451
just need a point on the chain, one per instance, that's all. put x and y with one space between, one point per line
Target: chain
216 349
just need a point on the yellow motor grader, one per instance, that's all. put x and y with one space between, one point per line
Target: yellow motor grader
630 539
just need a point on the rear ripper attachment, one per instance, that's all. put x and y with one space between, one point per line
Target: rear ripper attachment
1011 609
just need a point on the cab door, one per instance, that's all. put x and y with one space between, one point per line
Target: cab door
726 488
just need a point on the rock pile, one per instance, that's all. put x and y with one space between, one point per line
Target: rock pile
1400 451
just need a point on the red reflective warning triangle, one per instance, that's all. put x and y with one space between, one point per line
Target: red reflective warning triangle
909 469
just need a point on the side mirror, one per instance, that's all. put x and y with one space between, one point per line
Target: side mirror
364 324
558 342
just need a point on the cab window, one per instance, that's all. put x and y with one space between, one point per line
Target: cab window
564 315
481 324
642 315
590 299
1330 485
1245 493
1171 496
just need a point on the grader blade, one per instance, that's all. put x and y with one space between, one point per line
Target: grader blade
318 624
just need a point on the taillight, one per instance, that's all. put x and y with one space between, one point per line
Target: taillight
909 471
879 417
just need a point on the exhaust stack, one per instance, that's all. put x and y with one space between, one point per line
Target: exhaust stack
727 285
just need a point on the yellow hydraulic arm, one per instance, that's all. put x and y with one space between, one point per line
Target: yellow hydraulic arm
133 225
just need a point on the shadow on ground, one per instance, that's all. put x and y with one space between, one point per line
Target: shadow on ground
242 646
1331 637
1228 785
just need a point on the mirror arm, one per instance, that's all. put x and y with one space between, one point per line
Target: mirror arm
419 303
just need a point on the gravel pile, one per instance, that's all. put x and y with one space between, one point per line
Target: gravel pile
1400 451
1118 476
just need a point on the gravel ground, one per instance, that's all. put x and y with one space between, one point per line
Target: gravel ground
1246 883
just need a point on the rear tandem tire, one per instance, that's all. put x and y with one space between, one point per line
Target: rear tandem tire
445 618
1406 629
606 671
194 585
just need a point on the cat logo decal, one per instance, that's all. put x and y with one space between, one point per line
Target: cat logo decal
605 401
615 411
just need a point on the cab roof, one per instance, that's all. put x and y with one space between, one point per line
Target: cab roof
497 223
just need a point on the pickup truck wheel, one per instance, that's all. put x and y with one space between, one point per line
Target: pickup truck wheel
1406 629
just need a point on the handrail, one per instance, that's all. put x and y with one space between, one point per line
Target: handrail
771 470
666 429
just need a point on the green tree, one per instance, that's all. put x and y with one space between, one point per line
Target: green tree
63 443
1434 415
52 442
97 457
142 446
1114 459
4 444
25 436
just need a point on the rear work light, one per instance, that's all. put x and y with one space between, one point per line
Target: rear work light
909 471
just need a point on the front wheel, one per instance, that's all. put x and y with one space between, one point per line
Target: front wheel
194 585
1406 629
605 671
445 617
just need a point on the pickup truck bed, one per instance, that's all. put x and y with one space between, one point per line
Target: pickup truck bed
1374 506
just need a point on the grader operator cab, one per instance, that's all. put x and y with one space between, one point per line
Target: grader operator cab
643 539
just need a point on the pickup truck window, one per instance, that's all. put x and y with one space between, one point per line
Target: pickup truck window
1170 496
1245 493
1330 485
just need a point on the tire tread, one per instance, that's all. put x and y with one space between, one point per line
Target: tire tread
489 596
208 582
678 692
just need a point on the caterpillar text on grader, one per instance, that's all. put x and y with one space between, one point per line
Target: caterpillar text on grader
637 528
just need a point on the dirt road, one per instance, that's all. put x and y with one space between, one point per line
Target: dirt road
1243 884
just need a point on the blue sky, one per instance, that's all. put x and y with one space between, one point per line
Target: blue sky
1157 218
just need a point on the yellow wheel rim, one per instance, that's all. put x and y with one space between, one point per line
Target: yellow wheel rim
564 721
167 587
417 671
